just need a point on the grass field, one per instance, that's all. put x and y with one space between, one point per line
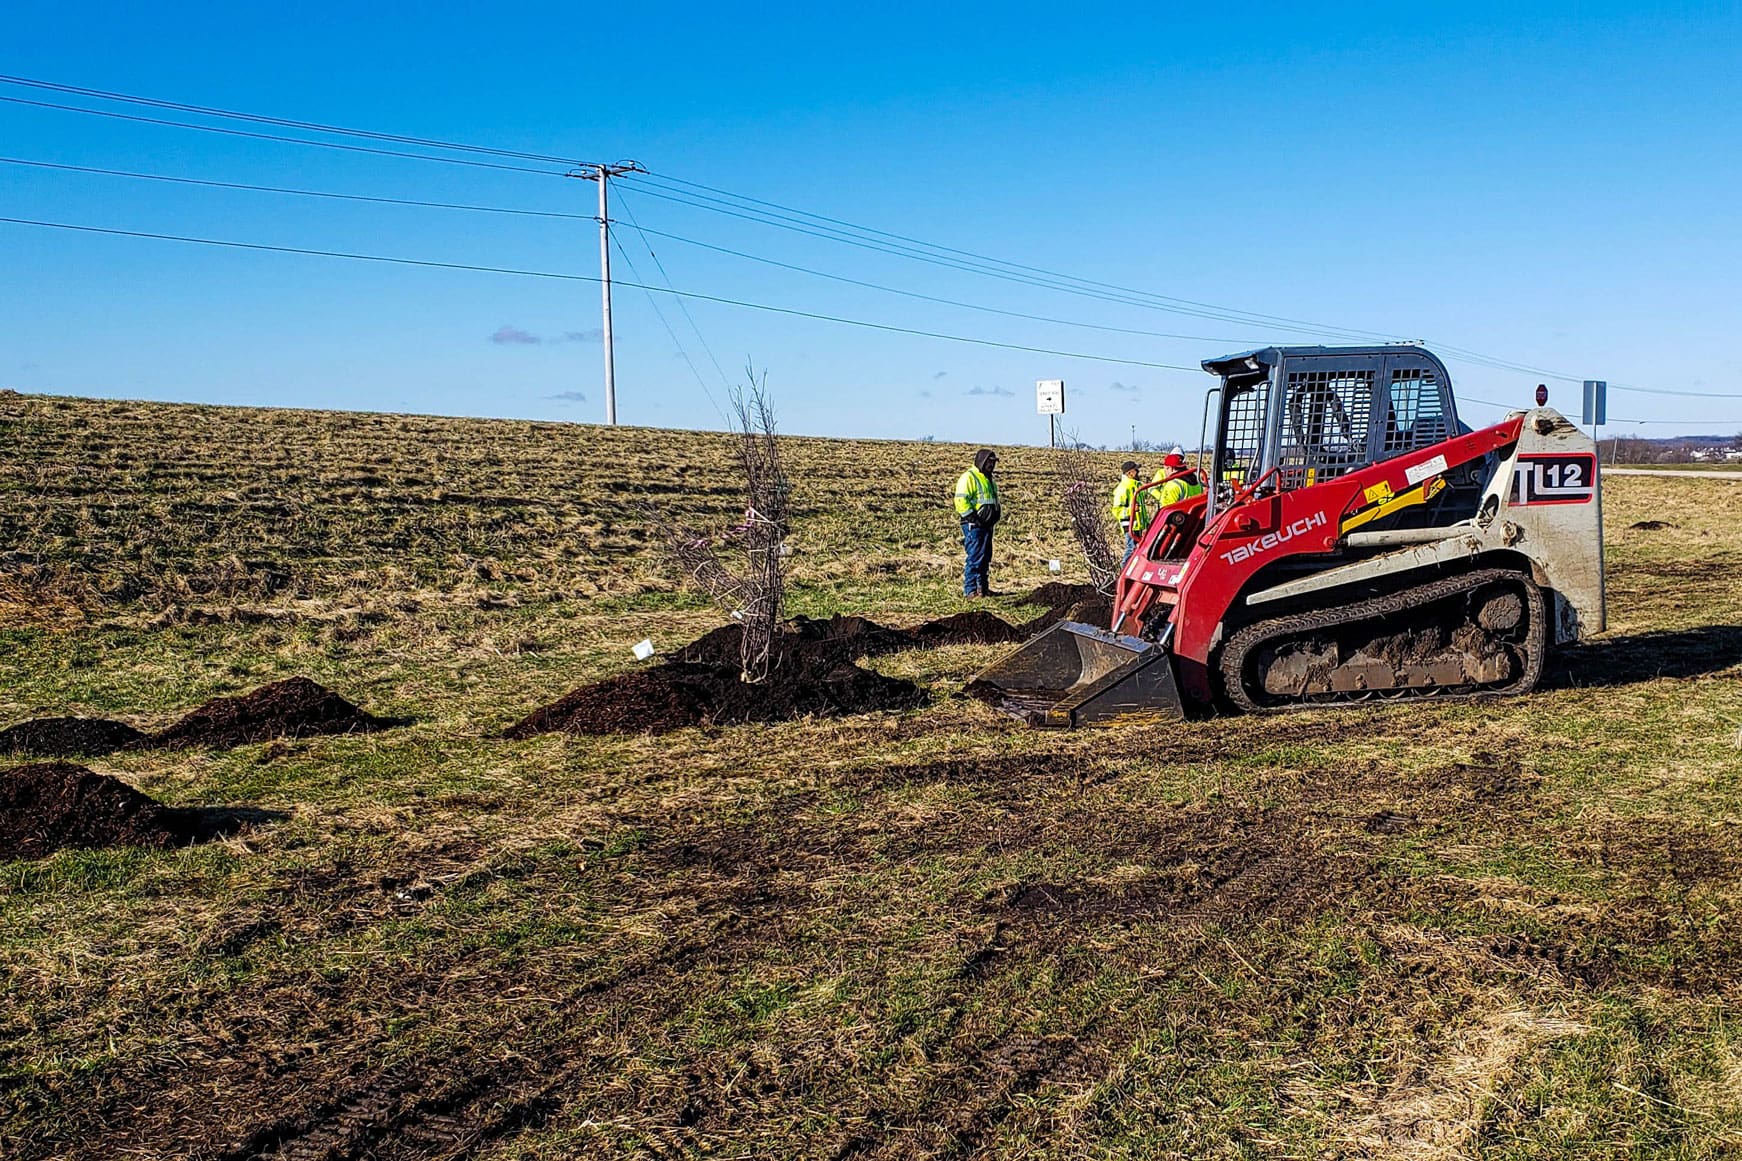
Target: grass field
1445 930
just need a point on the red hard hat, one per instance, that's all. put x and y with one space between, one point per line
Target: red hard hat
1174 460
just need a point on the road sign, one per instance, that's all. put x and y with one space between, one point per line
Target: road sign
1049 397
1596 401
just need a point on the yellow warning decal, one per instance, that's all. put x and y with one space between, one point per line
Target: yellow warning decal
1378 493
1417 495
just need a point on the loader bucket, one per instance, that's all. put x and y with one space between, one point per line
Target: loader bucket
1077 675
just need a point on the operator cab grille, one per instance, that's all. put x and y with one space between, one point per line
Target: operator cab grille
1325 425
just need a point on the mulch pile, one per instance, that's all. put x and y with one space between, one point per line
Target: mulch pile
294 708
843 640
682 693
65 737
47 807
812 672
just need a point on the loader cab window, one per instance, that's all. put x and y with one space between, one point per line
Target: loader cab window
1245 416
1415 414
1325 425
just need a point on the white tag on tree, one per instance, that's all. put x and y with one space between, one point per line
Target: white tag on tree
643 649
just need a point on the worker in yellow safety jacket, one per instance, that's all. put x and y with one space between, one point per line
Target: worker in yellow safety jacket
1132 506
1184 487
978 509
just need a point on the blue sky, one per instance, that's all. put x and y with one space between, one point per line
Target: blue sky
1557 189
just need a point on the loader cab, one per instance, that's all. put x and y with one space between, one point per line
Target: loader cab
1315 413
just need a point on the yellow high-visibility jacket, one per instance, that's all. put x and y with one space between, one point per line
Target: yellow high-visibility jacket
1123 494
975 491
1174 491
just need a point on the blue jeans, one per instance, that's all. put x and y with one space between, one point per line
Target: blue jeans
977 558
1130 547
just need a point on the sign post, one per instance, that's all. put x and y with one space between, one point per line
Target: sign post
1596 405
1049 400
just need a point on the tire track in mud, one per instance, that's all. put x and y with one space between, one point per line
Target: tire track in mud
724 892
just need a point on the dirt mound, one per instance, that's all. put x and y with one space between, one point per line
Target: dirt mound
66 737
1650 526
293 708
805 642
679 693
808 644
1060 595
975 628
47 807
811 672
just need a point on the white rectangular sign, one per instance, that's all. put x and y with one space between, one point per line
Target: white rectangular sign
1049 397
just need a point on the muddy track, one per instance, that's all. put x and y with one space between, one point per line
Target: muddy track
1321 626
731 898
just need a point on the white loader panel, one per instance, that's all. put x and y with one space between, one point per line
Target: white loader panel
1550 508
1544 502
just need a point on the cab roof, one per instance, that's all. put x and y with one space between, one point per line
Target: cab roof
1270 356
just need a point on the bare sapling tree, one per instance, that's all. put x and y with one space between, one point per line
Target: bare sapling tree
1082 494
755 593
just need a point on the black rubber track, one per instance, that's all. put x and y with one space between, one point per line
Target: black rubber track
1241 645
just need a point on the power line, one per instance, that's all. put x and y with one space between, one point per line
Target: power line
716 200
1250 316
676 342
928 297
689 294
282 122
644 230
683 306
307 193
278 137
831 235
1607 421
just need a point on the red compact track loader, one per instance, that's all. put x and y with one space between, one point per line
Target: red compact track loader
1355 542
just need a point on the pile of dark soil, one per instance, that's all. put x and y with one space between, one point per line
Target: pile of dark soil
65 737
1060 595
1066 602
839 640
682 693
812 672
805 643
293 708
56 804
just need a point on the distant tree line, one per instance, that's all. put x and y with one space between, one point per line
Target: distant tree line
1635 450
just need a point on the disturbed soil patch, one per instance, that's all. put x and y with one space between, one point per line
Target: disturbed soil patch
1068 602
66 737
293 708
678 694
1228 865
812 672
56 804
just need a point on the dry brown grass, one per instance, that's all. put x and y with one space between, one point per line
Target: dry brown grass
1485 929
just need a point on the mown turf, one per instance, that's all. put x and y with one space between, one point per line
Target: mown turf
1485 929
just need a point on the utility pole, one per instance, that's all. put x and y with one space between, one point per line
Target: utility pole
603 173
